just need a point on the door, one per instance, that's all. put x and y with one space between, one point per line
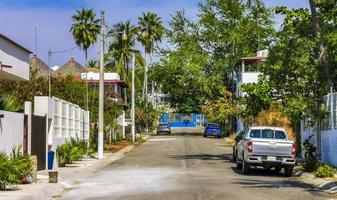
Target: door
39 140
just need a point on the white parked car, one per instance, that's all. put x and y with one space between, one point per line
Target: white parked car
268 147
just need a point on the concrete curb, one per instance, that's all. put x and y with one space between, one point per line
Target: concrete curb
329 186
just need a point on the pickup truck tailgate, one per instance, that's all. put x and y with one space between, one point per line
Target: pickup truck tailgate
272 147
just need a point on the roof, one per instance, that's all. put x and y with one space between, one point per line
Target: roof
14 43
41 67
268 127
71 68
251 60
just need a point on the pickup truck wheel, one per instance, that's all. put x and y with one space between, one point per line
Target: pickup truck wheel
238 164
278 169
245 166
289 171
234 157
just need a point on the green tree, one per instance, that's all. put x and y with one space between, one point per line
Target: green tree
223 109
92 63
121 49
180 71
151 32
85 29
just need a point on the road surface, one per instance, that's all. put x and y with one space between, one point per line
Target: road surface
186 166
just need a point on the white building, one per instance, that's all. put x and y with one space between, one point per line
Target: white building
246 72
14 60
114 86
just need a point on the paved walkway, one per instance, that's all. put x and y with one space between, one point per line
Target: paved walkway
68 178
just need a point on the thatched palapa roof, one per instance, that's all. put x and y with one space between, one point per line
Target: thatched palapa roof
40 66
71 68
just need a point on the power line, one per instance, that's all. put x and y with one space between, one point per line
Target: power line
63 51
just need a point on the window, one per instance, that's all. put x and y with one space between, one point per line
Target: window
268 134
255 134
280 135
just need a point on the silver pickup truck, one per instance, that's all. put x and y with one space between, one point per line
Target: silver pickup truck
268 147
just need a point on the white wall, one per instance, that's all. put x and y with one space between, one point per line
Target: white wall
15 57
328 144
250 77
11 130
65 120
95 76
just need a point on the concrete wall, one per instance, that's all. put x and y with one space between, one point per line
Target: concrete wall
65 120
17 58
11 130
328 144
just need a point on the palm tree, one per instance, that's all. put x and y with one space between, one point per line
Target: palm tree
151 32
121 49
85 29
9 103
92 63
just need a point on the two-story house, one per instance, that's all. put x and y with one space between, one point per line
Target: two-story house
246 72
14 60
113 85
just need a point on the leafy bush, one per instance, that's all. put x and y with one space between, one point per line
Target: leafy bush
8 172
324 171
15 168
310 156
71 151
23 163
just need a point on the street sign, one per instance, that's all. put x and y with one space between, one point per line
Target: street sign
128 121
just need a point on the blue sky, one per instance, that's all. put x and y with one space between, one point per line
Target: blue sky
53 18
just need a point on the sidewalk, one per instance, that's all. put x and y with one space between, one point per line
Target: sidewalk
328 185
68 178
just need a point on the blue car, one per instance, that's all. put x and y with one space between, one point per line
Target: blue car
213 129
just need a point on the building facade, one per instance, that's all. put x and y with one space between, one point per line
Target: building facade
14 60
246 72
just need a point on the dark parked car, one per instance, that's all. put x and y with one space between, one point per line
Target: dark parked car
213 129
164 128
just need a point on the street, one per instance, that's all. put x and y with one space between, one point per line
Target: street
186 166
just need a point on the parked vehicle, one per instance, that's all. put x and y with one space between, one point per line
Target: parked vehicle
237 140
213 129
164 128
268 147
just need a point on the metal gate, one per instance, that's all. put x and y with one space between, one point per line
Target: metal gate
39 140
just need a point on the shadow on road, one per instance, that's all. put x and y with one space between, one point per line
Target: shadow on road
225 157
250 182
259 172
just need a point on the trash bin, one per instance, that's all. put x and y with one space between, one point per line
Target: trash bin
50 159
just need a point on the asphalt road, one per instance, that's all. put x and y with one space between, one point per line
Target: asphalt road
186 166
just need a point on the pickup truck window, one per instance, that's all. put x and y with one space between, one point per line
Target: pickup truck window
255 134
280 135
267 134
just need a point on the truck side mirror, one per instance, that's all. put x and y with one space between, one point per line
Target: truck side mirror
238 138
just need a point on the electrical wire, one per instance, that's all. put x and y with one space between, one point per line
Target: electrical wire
63 51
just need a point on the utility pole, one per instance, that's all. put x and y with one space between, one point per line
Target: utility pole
101 93
36 39
133 100
49 68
